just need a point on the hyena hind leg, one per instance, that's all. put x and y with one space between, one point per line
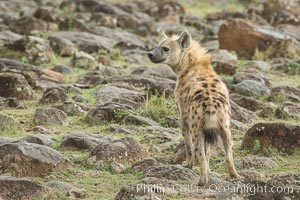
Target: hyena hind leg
189 163
228 144
199 148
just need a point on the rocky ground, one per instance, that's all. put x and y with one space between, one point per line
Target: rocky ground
85 115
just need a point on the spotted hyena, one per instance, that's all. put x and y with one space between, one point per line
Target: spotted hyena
202 100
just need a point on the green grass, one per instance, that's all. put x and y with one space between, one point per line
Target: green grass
158 108
202 8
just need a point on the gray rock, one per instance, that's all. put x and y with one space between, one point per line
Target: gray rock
264 109
28 24
50 116
20 188
71 108
282 93
288 110
63 69
251 88
87 42
54 95
15 85
139 120
241 114
29 159
123 39
171 172
71 190
153 85
108 112
81 141
110 93
258 64
8 37
36 49
161 71
241 76
93 78
41 139
289 181
125 150
223 56
255 162
144 164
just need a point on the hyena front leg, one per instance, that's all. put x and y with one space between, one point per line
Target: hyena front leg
189 163
199 147
228 144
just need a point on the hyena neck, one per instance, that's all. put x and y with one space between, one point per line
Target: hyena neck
194 58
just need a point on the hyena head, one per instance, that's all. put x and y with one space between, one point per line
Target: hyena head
170 50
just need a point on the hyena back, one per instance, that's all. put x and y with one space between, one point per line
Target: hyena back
202 100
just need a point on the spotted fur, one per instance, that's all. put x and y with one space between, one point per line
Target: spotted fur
202 100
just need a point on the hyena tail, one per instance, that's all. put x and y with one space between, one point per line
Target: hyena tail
211 128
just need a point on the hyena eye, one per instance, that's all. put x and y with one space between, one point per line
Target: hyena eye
166 49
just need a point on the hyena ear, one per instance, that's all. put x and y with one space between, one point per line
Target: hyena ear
184 39
164 35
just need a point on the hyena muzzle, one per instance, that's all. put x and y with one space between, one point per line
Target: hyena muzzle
202 100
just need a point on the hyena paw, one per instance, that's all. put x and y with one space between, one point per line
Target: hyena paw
202 180
187 164
235 176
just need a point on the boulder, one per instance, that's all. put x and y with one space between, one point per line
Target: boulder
263 109
161 71
71 190
246 38
71 108
107 113
223 56
27 25
64 69
130 192
284 137
82 141
46 13
241 114
15 85
251 88
282 12
50 116
288 110
86 42
153 85
283 93
142 165
37 50
242 76
20 188
29 159
288 183
257 64
93 78
225 68
110 93
41 139
54 95
171 172
125 150
139 120
255 162
8 37
123 39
